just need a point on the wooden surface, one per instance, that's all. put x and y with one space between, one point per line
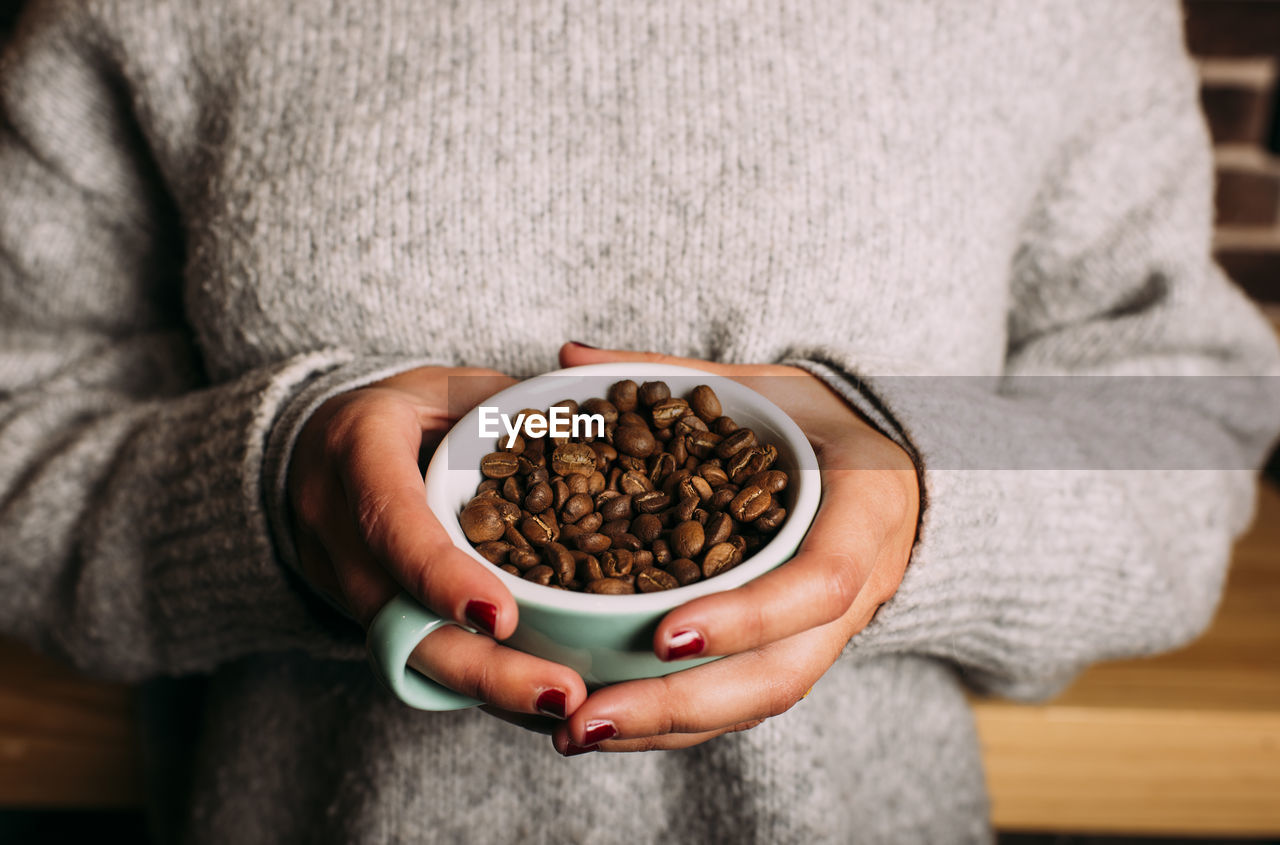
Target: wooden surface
1188 742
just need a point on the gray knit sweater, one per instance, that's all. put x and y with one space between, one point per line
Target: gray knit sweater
214 215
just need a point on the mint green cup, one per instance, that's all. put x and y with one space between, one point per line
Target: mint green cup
605 639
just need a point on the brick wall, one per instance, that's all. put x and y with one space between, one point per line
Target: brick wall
1237 47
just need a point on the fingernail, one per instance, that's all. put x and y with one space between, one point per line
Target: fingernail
583 345
598 730
572 750
685 644
482 615
552 703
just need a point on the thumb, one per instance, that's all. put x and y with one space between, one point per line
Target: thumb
574 354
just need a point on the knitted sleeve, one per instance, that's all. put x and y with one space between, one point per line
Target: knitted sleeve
1082 505
134 539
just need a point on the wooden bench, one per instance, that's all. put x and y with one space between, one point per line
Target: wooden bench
1186 743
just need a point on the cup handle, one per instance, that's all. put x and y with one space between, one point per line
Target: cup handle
394 634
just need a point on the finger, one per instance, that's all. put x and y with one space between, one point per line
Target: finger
576 355
448 394
379 473
502 677
663 742
814 588
742 688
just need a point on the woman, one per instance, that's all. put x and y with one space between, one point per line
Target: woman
245 247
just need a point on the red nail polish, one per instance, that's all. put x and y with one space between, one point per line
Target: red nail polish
482 615
598 730
573 750
552 703
685 644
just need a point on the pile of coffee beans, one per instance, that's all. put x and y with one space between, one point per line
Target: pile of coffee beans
674 492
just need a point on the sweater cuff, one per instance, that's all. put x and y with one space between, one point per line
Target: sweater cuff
347 376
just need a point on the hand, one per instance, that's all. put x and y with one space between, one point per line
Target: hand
363 531
784 629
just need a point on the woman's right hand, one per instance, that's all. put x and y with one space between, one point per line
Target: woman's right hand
363 531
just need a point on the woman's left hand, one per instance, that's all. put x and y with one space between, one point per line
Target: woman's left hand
783 630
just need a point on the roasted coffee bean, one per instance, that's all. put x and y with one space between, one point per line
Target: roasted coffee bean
688 424
603 407
618 507
573 458
723 495
595 483
570 405
489 485
748 462
661 552
677 449
705 403
654 580
481 523
515 448
508 511
641 558
610 587
724 426
634 440
662 435
750 503
687 539
488 497
718 528
630 463
616 562
524 559
499 464
713 473
540 574
535 452
739 544
669 483
663 465
560 492
770 520
526 465
651 502
576 483
666 412
718 559
560 561
684 571
634 482
653 392
538 474
699 516
578 506
684 510
694 485
539 497
703 444
614 527
627 541
604 453
594 543
589 568
494 551
591 522
743 438
631 418
569 533
647 527
513 489
513 536
509 569
771 481
624 395
536 530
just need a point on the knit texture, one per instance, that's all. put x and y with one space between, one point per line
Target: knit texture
214 216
